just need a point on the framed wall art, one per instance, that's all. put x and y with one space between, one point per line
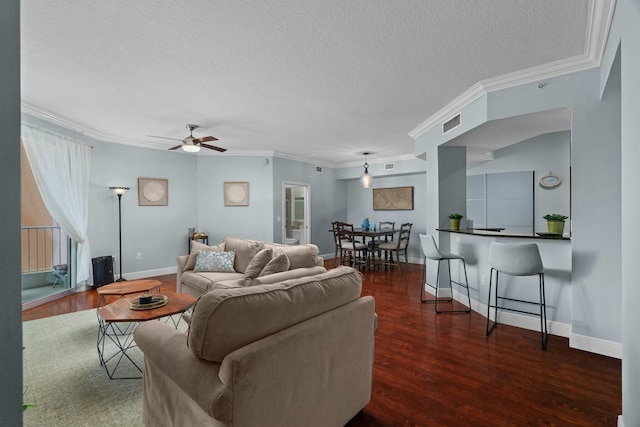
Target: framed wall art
393 199
236 193
153 192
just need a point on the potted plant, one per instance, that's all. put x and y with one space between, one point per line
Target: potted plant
555 223
454 221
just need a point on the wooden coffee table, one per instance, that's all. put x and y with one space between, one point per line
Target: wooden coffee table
117 321
122 289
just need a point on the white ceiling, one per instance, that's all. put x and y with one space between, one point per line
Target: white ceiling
321 81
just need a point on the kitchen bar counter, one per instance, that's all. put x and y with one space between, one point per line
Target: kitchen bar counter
497 232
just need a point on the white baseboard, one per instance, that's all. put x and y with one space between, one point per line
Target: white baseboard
150 273
579 342
620 422
596 345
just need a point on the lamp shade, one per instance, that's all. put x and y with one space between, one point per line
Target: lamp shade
119 190
366 179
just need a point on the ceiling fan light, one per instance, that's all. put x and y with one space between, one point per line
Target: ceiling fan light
191 148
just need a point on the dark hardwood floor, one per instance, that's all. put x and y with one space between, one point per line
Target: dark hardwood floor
441 370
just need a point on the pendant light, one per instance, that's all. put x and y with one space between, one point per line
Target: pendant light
366 179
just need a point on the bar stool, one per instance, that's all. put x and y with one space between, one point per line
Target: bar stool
431 251
521 259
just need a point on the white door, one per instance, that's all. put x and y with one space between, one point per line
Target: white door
296 208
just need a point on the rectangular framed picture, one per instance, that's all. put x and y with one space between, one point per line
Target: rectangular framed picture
236 193
393 199
153 192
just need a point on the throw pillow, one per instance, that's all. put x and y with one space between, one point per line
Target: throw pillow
197 246
256 265
279 263
215 261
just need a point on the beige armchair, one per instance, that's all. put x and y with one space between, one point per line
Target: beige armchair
296 353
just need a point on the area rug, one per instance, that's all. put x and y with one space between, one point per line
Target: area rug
64 379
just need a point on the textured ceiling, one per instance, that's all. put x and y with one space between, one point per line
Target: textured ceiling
316 80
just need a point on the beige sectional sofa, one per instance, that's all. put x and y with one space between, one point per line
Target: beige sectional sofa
299 260
294 353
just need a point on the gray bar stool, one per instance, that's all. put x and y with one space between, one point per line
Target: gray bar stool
431 251
517 260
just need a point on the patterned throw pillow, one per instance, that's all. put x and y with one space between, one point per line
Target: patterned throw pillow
215 261
197 246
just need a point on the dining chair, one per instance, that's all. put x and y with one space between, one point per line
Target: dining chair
516 259
374 244
337 258
431 251
397 247
352 251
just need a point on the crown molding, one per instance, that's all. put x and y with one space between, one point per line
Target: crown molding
72 126
600 14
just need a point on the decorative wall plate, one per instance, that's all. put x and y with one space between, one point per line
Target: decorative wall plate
153 192
236 193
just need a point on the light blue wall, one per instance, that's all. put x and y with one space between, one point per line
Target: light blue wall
156 232
542 154
360 206
328 199
253 221
10 300
452 179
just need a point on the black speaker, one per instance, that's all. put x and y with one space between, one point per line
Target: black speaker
102 270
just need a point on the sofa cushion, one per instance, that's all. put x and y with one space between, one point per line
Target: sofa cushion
245 251
215 261
197 246
224 320
286 275
256 265
300 256
203 282
280 262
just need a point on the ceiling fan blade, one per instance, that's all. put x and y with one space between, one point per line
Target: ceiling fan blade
176 147
213 147
163 137
205 139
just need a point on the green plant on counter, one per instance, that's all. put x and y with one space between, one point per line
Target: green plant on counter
555 217
455 216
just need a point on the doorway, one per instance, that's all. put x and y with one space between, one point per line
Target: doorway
296 209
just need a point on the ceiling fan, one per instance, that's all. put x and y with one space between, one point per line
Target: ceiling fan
193 145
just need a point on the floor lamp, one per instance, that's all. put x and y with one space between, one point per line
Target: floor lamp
119 192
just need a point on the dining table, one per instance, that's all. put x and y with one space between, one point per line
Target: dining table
372 235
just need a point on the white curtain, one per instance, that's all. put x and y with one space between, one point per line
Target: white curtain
61 170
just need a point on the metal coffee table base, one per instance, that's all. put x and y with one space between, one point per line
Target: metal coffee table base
117 351
116 347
